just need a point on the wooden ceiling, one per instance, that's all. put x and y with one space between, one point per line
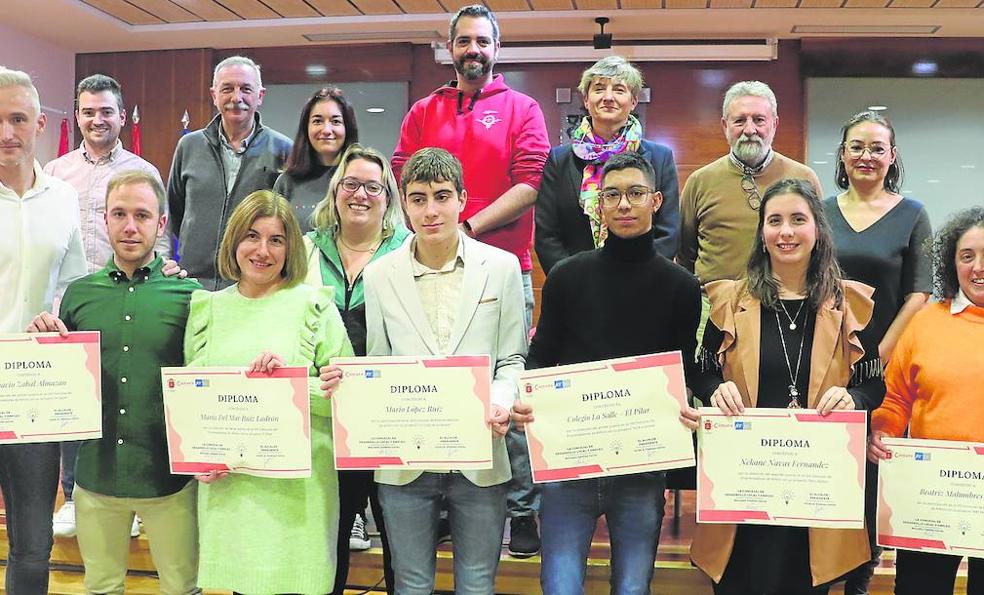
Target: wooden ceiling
157 12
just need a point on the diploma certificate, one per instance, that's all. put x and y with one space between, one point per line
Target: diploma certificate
605 418
931 497
228 419
412 413
50 387
789 467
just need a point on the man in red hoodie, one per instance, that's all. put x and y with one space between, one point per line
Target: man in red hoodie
500 137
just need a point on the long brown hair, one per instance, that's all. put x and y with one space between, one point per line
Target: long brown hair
823 277
303 158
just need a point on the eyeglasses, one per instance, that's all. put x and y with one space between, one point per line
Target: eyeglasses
636 196
876 151
352 186
751 192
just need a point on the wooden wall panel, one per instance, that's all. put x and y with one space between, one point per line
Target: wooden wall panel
345 63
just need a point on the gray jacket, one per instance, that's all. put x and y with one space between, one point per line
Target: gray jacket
197 197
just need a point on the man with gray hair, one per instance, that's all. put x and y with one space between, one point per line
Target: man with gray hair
216 167
40 254
720 201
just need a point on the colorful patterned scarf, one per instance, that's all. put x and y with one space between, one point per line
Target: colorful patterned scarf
596 151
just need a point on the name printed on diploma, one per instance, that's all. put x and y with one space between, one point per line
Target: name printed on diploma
931 496
226 418
385 417
606 418
782 467
50 387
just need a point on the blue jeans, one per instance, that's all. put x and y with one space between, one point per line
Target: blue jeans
523 497
29 480
69 452
477 517
633 509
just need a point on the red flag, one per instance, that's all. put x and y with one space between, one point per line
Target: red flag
63 139
135 145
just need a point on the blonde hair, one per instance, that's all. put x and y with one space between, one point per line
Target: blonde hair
137 176
18 78
263 203
325 216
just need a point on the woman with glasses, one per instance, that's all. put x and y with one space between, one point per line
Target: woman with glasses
879 236
785 336
567 217
326 128
934 383
358 221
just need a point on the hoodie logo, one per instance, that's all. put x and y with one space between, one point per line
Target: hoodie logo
489 119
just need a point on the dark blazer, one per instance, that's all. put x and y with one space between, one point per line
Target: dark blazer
562 228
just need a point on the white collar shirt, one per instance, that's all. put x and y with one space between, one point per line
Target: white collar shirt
40 248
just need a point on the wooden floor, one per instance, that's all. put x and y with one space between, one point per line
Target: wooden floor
674 575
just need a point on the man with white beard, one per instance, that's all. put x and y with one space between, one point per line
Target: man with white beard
720 201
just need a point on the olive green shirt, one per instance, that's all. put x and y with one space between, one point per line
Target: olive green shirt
141 323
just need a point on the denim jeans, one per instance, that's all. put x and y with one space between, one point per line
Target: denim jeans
633 509
477 516
29 480
69 452
523 496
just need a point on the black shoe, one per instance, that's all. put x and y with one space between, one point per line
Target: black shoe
524 540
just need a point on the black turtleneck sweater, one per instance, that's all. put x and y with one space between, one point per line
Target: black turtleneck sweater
621 300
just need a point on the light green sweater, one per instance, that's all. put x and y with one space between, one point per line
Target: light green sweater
261 535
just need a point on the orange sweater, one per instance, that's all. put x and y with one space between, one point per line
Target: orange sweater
934 378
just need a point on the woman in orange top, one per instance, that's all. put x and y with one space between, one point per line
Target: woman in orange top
787 336
933 382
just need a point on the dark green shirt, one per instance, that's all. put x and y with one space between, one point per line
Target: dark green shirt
142 324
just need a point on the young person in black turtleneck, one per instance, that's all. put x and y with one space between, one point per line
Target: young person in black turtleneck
620 300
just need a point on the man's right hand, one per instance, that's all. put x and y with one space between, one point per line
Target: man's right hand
47 323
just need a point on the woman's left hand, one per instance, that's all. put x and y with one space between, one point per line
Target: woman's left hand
498 420
836 398
266 363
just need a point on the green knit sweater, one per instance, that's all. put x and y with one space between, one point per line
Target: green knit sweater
261 535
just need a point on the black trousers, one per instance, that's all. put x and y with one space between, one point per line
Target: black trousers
354 488
919 573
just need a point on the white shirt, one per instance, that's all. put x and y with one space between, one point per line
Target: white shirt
960 302
440 291
40 248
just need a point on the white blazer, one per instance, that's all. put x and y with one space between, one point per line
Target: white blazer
490 320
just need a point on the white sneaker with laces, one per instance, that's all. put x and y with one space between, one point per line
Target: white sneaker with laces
63 523
359 540
135 527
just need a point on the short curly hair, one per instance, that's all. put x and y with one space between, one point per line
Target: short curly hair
944 249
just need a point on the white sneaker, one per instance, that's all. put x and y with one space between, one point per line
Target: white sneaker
135 527
359 540
63 523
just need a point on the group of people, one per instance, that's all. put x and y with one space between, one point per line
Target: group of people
293 252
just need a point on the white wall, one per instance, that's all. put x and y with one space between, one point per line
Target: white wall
53 71
938 127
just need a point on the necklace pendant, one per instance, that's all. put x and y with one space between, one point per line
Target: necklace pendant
793 404
792 326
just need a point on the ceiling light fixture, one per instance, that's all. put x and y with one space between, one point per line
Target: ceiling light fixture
375 110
